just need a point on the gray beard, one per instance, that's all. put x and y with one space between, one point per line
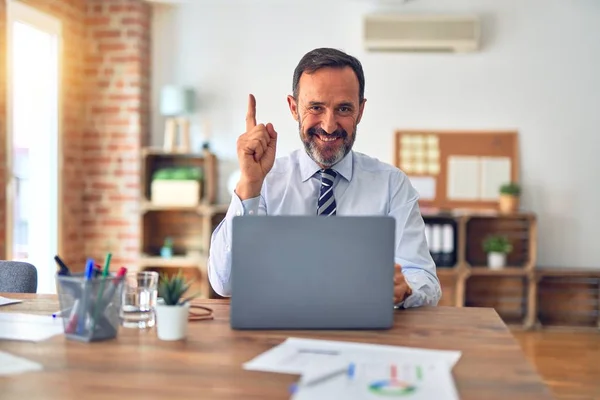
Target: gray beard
313 151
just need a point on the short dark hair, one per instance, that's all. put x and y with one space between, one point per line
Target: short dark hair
327 57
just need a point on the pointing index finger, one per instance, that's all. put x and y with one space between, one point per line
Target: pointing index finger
251 114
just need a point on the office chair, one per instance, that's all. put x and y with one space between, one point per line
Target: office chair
17 277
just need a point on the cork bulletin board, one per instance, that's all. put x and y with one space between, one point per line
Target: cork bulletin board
458 169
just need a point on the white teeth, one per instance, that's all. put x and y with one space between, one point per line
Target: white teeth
327 139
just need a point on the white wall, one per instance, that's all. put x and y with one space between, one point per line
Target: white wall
539 73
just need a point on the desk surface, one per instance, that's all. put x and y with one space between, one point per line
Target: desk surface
208 364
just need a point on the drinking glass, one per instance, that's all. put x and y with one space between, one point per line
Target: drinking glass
140 293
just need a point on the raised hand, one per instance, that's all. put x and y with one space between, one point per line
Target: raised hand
256 153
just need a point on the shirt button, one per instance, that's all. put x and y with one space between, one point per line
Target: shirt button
251 212
238 213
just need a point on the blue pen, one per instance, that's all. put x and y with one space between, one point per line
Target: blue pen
60 313
89 272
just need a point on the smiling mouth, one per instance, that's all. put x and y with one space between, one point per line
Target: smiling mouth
327 139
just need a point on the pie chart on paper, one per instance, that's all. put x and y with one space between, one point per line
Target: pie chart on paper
394 386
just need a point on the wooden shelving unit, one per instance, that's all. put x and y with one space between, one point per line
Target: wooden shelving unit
190 226
469 282
173 262
567 298
506 271
525 296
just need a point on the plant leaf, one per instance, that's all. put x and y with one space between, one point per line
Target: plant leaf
198 293
172 288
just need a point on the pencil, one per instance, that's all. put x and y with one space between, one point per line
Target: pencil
347 370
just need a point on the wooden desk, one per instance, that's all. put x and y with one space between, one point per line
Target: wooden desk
208 364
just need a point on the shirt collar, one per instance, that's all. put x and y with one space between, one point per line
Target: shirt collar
308 167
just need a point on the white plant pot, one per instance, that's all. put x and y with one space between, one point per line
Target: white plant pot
171 321
496 260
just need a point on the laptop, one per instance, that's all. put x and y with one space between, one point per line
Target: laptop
311 272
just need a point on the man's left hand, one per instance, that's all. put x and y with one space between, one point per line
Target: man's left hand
401 288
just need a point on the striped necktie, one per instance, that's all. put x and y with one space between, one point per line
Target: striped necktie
326 204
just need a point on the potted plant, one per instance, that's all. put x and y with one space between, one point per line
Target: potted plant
497 247
172 309
509 197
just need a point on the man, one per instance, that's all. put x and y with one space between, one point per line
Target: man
326 177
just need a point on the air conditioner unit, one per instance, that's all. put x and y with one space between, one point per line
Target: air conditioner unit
427 33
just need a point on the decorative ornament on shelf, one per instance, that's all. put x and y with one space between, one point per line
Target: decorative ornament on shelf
166 250
509 197
497 247
172 308
176 103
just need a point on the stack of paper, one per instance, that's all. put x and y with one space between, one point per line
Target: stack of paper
11 365
4 301
18 326
361 371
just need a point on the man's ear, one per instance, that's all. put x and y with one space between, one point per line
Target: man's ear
293 106
361 108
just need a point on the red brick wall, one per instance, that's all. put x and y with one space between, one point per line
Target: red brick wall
105 121
117 114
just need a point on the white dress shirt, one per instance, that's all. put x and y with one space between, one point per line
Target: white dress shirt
363 186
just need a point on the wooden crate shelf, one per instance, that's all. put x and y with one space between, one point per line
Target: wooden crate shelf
189 227
506 271
202 209
517 228
447 272
146 206
567 297
172 262
448 281
506 294
470 282
183 227
154 159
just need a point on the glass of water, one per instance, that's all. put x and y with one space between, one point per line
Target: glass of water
140 293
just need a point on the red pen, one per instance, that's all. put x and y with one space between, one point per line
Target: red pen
72 324
115 283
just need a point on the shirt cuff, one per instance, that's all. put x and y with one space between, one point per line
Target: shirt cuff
425 291
245 207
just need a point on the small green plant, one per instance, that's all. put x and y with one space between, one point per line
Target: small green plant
178 173
497 244
511 189
172 288
168 242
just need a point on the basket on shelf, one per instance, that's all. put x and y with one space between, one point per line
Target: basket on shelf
176 186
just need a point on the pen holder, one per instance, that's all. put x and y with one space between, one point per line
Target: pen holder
90 307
